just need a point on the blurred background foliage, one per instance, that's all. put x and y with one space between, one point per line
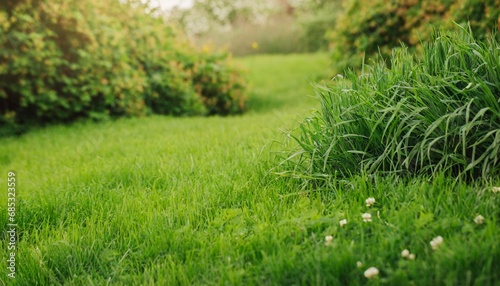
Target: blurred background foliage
369 27
62 60
261 26
349 29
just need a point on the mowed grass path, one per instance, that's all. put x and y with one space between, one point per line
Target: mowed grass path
190 201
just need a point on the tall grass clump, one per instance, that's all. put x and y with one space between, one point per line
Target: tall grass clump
437 113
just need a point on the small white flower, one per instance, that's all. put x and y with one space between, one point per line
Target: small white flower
496 189
328 240
367 217
371 272
479 219
359 264
343 222
405 253
436 242
370 202
411 256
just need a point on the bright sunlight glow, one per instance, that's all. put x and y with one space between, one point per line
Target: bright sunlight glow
169 4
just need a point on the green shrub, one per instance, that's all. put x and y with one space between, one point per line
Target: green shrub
170 91
219 84
58 67
62 60
202 83
369 27
437 113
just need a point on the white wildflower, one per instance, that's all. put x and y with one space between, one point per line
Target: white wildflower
479 219
436 242
370 202
411 256
496 189
405 253
359 264
371 272
343 222
367 217
328 240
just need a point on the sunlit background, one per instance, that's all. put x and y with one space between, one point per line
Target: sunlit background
247 27
169 4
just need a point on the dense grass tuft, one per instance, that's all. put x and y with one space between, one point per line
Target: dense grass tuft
439 113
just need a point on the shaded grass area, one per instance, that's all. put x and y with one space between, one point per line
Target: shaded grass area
190 201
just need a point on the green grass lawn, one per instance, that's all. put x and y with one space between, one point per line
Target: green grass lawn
191 201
